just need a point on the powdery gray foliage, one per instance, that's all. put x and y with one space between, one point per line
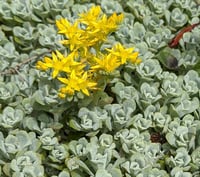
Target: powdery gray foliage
145 123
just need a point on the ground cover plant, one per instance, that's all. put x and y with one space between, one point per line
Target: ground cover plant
99 88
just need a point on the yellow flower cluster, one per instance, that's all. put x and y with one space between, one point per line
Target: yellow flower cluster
84 38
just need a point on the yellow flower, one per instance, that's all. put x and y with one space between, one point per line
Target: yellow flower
60 63
124 54
115 19
98 26
75 37
91 16
42 66
108 63
76 83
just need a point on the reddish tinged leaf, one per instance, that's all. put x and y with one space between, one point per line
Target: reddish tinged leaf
174 42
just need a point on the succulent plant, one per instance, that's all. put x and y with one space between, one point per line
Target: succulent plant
139 119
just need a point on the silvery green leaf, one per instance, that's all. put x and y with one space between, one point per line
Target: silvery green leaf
129 106
100 160
192 76
195 38
153 172
167 16
74 163
144 50
171 139
93 145
173 125
149 93
38 97
75 125
139 9
123 34
35 172
71 163
182 158
21 10
78 148
59 5
166 75
66 13
102 172
153 22
120 114
124 92
40 8
8 52
191 82
149 112
128 77
195 9
28 162
15 142
171 89
11 117
154 41
160 120
35 18
186 106
21 82
140 122
138 32
180 137
177 171
178 18
64 173
128 21
115 171
159 7
77 173
89 120
184 4
3 38
186 38
188 121
165 33
3 65
190 40
48 36
100 98
127 138
189 58
45 97
83 166
35 142
31 123
111 7
138 145
47 138
79 8
3 149
27 105
106 142
5 11
196 156
59 153
136 164
149 69
151 151
23 34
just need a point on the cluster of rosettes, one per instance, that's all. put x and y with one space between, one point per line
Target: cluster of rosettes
79 70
